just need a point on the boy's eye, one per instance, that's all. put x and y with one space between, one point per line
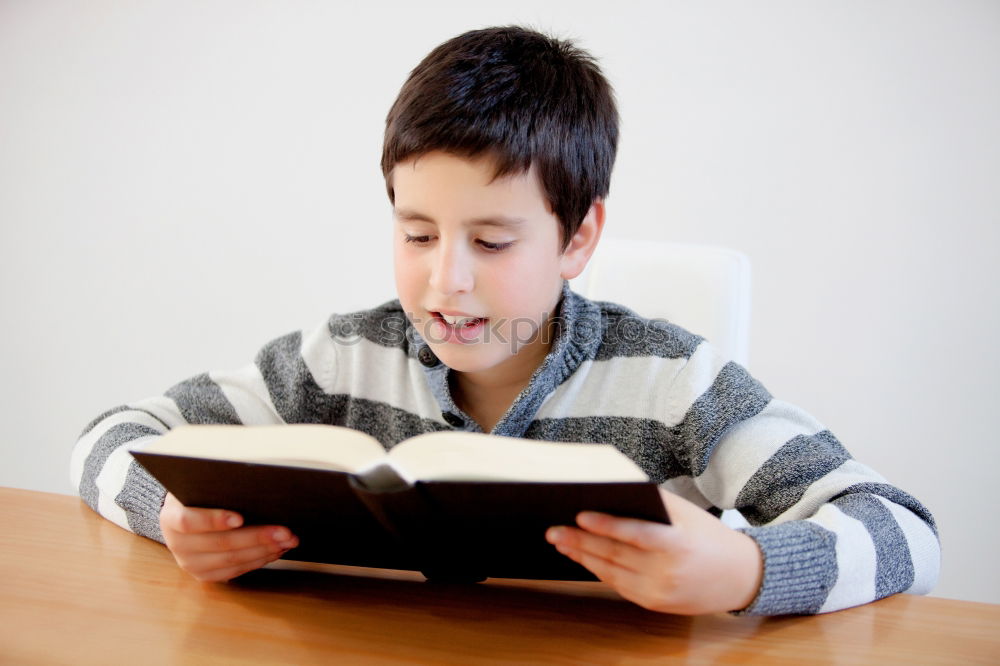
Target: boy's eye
495 247
486 245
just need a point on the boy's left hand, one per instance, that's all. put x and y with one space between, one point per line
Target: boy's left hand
697 564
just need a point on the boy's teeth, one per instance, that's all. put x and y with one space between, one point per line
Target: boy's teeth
459 321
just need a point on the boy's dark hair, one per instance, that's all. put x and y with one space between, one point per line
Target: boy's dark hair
521 98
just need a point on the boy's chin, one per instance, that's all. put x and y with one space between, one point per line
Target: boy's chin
470 358
486 357
464 360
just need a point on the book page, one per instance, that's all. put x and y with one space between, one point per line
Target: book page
315 446
462 456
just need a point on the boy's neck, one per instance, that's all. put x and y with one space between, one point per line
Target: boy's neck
487 395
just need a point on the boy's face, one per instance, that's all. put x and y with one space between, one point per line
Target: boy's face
484 251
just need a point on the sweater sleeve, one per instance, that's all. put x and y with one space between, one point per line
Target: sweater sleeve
272 390
832 531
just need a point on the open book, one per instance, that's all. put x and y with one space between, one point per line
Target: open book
453 505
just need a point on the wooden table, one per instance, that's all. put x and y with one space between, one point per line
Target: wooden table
77 589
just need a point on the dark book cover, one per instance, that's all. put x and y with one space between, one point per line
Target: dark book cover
448 530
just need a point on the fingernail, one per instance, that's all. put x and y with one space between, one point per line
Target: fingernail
233 520
280 534
554 534
289 543
586 519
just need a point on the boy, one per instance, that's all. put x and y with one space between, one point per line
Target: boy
497 159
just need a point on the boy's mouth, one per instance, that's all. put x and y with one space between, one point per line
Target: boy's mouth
459 321
455 328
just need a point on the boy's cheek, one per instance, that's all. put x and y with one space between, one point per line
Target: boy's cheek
407 290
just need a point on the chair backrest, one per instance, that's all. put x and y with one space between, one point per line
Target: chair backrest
702 288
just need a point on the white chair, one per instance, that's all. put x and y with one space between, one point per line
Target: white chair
701 288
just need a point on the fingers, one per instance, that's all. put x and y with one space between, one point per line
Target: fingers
641 534
624 541
223 575
224 565
189 520
612 572
210 545
219 556
577 543
619 551
695 565
239 539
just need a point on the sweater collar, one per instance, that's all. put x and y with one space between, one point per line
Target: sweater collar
578 331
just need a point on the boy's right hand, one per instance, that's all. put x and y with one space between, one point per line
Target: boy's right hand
211 546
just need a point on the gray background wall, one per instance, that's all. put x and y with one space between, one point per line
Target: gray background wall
182 181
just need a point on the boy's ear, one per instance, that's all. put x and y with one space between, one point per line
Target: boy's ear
576 255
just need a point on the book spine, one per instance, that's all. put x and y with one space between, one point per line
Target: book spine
406 514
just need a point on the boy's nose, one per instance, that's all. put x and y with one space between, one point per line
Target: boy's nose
452 270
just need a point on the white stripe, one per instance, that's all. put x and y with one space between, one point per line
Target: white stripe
586 394
694 379
111 480
925 551
85 445
319 353
163 408
685 487
750 444
247 392
734 519
857 561
368 371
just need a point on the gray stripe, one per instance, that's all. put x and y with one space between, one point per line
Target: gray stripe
92 424
628 335
639 439
593 329
784 478
200 401
389 425
152 416
385 325
118 435
299 399
800 567
295 394
893 568
733 397
142 497
584 330
894 495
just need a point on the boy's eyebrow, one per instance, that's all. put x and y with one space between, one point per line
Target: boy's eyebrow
503 221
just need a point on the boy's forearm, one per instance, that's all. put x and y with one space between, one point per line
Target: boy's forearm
107 477
104 472
832 532
837 560
113 484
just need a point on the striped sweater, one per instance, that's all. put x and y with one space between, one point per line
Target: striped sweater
832 531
